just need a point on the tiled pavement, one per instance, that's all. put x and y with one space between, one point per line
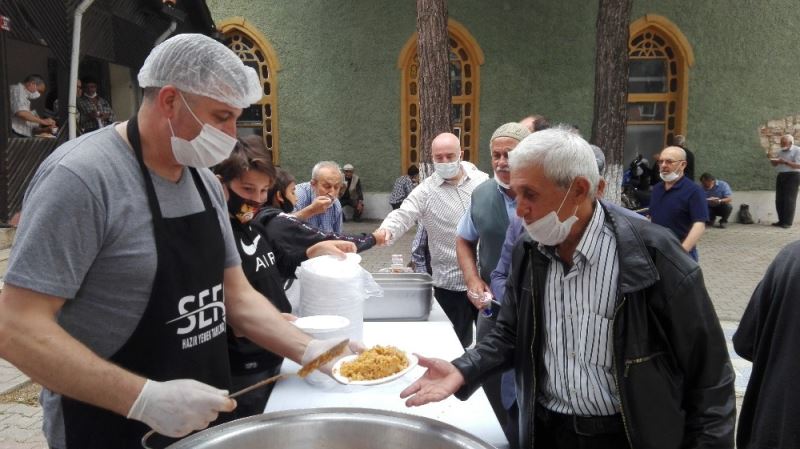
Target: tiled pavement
733 261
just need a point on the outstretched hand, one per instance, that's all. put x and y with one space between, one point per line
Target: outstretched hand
441 380
336 248
383 237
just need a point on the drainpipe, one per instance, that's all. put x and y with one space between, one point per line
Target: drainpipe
165 34
73 66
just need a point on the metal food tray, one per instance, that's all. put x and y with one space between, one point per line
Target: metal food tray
406 297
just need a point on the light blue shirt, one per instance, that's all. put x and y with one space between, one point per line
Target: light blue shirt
330 220
466 228
721 189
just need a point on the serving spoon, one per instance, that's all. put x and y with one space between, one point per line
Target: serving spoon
303 372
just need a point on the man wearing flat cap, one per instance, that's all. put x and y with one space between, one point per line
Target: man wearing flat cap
119 311
480 236
351 193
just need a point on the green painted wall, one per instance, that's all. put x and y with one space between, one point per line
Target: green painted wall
338 90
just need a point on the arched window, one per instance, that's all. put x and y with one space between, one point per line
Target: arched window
252 48
466 58
658 85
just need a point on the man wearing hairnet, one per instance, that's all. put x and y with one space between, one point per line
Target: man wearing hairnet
113 299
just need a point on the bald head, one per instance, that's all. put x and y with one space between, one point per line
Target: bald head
671 164
673 153
446 147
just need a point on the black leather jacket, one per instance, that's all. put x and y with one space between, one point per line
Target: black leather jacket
671 366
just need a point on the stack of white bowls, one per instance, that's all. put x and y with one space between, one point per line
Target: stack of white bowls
329 286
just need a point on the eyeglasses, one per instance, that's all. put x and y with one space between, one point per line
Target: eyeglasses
668 161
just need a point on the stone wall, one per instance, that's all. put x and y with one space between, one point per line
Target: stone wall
771 132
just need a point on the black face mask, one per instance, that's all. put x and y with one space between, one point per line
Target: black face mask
244 210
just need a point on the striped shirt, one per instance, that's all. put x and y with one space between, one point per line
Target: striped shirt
438 205
578 311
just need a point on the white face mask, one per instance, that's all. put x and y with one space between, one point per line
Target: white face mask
34 95
209 148
501 183
669 177
447 170
549 230
95 94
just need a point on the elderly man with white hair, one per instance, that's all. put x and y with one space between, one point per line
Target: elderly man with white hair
118 310
787 164
480 238
318 199
606 321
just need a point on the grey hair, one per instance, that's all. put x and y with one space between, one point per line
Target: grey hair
562 154
325 164
34 78
789 137
679 140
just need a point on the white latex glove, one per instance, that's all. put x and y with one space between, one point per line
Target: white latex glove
177 407
315 348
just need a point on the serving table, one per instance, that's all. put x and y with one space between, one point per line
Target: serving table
428 338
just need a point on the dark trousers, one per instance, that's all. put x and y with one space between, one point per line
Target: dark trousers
786 196
460 311
556 431
491 386
346 201
512 427
723 211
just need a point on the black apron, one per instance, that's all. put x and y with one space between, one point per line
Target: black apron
182 331
259 263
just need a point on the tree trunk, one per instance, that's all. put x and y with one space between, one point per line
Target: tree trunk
611 89
434 75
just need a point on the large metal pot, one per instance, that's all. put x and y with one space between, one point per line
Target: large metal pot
333 428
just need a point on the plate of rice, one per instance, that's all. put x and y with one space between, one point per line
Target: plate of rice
376 365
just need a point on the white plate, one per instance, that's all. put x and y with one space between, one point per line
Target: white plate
336 372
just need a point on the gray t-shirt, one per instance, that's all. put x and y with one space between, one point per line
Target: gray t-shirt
86 235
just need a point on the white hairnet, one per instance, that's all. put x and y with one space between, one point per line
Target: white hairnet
199 65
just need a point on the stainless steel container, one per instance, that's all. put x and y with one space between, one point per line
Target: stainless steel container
406 297
333 428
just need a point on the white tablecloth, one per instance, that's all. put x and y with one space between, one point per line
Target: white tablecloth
431 339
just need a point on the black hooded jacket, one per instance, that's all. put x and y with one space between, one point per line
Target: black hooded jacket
671 366
271 247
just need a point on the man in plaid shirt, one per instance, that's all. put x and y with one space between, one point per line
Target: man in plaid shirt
94 110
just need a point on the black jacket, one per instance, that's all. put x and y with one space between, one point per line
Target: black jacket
671 365
292 237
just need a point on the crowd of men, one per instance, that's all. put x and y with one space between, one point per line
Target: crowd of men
92 110
595 330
